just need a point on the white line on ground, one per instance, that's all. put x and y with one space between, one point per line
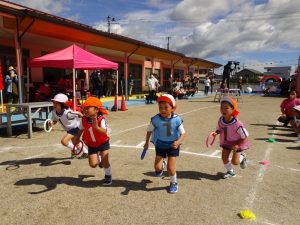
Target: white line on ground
216 152
5 149
145 124
187 149
116 142
284 168
185 152
140 145
252 193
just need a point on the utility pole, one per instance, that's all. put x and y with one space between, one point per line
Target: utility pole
168 46
109 22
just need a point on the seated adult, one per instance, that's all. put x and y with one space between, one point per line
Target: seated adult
43 93
286 109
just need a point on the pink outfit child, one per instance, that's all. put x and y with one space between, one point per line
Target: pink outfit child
231 133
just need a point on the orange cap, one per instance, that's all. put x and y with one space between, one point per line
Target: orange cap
233 103
93 101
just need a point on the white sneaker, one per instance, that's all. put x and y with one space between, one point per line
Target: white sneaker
164 164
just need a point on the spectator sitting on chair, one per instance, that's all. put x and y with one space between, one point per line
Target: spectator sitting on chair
43 93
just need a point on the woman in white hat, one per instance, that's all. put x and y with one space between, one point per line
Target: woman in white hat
11 85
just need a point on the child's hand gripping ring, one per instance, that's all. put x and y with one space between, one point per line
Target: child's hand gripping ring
210 139
48 125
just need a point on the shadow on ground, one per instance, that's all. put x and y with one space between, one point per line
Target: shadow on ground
15 164
293 148
192 175
285 135
50 183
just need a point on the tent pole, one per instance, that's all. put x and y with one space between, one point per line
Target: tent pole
117 87
74 89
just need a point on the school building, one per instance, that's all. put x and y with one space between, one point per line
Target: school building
28 33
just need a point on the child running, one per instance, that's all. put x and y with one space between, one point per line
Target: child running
233 136
69 120
95 135
167 134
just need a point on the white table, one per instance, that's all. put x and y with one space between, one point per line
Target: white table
29 110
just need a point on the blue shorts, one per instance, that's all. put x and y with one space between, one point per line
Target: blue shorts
73 131
101 148
170 152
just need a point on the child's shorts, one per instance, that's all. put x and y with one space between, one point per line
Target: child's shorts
167 152
73 131
101 148
229 148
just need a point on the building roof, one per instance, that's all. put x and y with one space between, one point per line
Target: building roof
252 71
44 24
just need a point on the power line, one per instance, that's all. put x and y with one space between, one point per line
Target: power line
228 19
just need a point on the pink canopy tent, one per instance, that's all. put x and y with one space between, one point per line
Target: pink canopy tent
74 58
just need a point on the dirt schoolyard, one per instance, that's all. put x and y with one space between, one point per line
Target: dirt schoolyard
40 184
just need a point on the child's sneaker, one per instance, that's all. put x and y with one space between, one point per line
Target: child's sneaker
229 174
83 156
159 173
164 164
107 180
100 161
298 140
243 164
72 156
173 188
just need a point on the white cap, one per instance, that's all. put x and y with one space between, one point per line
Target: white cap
60 98
167 98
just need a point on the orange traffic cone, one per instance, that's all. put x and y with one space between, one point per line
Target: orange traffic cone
115 106
123 104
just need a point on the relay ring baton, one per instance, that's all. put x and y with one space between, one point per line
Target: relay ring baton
212 138
76 149
47 125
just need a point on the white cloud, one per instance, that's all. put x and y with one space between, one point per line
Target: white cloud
212 28
248 28
49 6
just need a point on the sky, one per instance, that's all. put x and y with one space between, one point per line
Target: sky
256 33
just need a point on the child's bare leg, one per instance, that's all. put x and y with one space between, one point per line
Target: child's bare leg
225 156
171 165
104 158
93 160
66 141
236 158
158 163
